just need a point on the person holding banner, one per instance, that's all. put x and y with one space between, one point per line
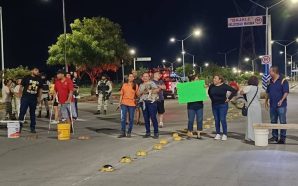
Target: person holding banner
220 104
194 109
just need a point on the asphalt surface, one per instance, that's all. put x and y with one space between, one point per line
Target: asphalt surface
43 160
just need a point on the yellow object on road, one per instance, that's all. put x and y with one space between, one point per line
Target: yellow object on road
63 131
107 168
141 153
163 141
157 146
177 138
175 135
126 159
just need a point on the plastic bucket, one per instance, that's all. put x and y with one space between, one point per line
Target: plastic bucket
63 131
261 137
13 129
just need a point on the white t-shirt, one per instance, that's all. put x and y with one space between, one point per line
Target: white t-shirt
6 95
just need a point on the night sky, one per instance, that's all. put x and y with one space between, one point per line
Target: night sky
30 26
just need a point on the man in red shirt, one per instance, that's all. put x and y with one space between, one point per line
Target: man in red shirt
64 91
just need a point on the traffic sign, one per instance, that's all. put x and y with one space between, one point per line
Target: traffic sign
266 60
143 59
235 22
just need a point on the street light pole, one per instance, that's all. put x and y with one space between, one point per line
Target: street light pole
183 55
226 55
2 47
285 51
64 28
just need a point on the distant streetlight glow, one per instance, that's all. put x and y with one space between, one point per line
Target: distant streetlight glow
294 1
164 61
179 59
281 52
132 52
172 40
197 32
206 64
246 59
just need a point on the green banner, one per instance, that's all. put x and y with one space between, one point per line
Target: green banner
191 91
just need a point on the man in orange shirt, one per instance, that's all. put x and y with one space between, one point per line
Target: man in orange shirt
128 95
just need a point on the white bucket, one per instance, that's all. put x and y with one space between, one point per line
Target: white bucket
13 129
261 137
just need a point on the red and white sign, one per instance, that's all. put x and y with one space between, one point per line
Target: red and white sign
266 60
245 21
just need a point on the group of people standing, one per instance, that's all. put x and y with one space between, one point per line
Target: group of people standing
144 94
148 95
35 90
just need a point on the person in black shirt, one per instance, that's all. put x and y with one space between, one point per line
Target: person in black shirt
45 96
138 81
31 88
76 93
218 95
195 109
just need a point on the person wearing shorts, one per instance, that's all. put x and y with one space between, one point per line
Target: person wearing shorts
160 103
64 91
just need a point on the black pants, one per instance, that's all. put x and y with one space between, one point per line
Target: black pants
25 104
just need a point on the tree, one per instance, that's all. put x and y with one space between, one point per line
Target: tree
93 46
188 70
16 73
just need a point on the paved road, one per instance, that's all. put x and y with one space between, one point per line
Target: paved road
46 161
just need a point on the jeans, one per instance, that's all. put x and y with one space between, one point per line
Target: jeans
76 106
191 117
220 116
25 104
150 112
131 112
275 114
66 109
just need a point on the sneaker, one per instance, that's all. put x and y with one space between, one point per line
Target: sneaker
33 131
273 139
160 124
199 135
105 112
189 135
224 138
128 135
217 137
97 113
281 141
156 136
147 135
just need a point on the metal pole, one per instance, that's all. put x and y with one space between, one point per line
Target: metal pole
291 68
183 53
266 34
200 70
134 63
286 61
226 62
253 66
122 71
64 27
193 62
172 66
2 47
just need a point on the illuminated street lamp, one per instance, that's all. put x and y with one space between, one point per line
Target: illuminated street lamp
172 63
285 52
132 52
206 64
195 33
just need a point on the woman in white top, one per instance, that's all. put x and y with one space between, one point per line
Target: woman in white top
254 114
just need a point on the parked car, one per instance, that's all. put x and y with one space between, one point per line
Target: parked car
171 87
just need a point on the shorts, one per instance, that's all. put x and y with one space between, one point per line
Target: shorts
55 104
65 111
161 107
